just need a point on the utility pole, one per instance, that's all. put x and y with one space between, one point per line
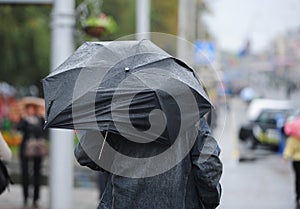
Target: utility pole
182 29
142 19
62 143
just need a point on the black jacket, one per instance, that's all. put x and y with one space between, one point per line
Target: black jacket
191 184
30 127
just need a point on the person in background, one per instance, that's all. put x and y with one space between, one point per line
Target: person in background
31 126
5 152
292 151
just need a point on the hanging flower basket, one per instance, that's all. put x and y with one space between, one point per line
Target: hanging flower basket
97 26
94 31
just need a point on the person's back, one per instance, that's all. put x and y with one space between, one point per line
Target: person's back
166 190
189 184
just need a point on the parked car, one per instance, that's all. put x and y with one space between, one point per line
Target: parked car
260 127
294 114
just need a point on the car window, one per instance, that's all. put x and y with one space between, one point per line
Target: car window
266 117
270 116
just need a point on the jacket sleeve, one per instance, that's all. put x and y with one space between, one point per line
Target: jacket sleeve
88 149
207 167
288 149
5 152
84 160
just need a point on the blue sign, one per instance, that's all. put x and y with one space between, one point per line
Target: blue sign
205 52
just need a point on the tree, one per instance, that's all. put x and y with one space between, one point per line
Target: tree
25 35
164 15
25 44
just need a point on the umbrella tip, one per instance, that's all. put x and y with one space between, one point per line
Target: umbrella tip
45 125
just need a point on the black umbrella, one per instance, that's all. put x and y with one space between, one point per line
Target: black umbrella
128 87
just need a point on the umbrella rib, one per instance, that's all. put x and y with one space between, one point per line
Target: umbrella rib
153 62
103 145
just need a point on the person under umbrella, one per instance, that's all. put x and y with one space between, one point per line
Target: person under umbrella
141 114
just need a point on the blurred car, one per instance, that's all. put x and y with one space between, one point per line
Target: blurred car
260 127
293 115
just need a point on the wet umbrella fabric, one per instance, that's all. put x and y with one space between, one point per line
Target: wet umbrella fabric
127 87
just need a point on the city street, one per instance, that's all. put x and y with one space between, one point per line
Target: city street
261 181
72 70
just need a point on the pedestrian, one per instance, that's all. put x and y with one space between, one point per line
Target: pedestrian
31 127
291 87
292 151
191 184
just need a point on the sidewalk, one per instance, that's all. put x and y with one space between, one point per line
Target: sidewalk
83 198
85 193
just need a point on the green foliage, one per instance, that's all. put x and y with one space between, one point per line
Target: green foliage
25 35
164 16
123 12
25 44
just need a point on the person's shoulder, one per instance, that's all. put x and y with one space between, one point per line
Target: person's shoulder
294 140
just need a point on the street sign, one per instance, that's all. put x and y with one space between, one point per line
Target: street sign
205 52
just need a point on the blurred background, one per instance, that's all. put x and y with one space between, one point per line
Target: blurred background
247 54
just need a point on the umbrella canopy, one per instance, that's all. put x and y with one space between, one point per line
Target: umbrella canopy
129 87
